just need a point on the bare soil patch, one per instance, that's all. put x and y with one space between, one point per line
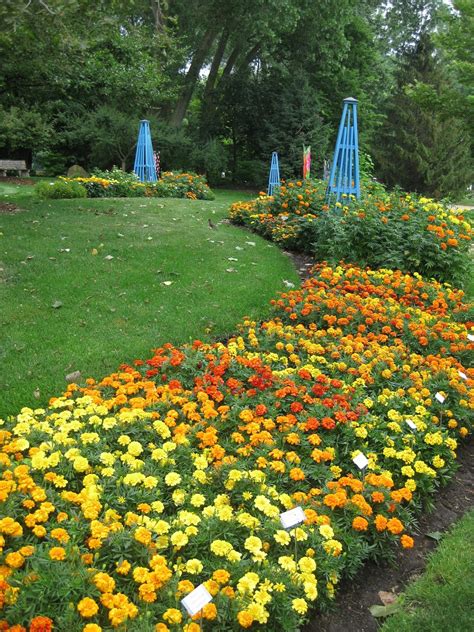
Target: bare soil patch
14 180
8 207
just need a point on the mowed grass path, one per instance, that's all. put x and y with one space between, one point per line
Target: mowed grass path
171 279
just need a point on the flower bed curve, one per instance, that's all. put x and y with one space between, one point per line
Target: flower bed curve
126 493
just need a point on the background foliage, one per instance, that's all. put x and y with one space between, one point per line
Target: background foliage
225 86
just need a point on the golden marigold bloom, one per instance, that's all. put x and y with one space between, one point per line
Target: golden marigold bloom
91 627
57 553
245 619
87 607
14 560
172 615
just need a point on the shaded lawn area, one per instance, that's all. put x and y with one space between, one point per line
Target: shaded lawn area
171 279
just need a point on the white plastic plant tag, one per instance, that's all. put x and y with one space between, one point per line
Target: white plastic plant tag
196 600
411 424
462 375
470 337
440 398
361 461
292 517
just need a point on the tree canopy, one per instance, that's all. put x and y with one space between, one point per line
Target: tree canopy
225 84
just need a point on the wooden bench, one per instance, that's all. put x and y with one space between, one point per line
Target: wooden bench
13 165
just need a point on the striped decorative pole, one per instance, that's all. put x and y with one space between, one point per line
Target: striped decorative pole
144 165
345 175
274 177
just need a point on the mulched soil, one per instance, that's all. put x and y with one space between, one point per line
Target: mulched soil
351 613
7 207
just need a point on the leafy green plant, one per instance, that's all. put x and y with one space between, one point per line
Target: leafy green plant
382 230
60 189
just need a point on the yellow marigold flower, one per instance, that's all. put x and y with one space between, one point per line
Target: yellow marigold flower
123 568
104 582
221 547
57 553
299 605
282 537
142 535
60 534
87 607
172 615
193 566
14 560
172 479
80 464
92 627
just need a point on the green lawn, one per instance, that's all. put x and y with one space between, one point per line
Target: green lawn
442 599
171 278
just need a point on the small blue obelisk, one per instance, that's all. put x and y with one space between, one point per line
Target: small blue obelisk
345 176
144 165
274 178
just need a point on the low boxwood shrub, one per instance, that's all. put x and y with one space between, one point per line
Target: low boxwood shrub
60 189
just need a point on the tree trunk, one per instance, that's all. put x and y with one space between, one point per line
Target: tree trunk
216 62
158 15
192 75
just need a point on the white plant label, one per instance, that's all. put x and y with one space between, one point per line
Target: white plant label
463 375
292 517
361 461
411 424
196 600
440 398
470 337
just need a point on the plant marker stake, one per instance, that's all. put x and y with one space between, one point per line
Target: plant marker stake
470 337
195 601
411 424
463 375
291 519
362 462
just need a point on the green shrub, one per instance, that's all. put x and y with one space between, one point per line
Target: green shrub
382 230
117 183
60 189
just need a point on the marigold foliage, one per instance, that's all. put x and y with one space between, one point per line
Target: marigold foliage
128 492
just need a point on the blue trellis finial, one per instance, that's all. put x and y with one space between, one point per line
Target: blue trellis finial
345 176
274 177
144 165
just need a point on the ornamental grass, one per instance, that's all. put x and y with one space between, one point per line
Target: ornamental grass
128 492
392 230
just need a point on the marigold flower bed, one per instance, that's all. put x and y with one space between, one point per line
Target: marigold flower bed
382 229
127 493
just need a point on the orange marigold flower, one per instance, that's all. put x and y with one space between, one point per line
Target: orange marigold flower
245 619
41 624
395 526
380 522
360 524
407 542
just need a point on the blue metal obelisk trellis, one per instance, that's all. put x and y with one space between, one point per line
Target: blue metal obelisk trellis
144 165
274 178
345 177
